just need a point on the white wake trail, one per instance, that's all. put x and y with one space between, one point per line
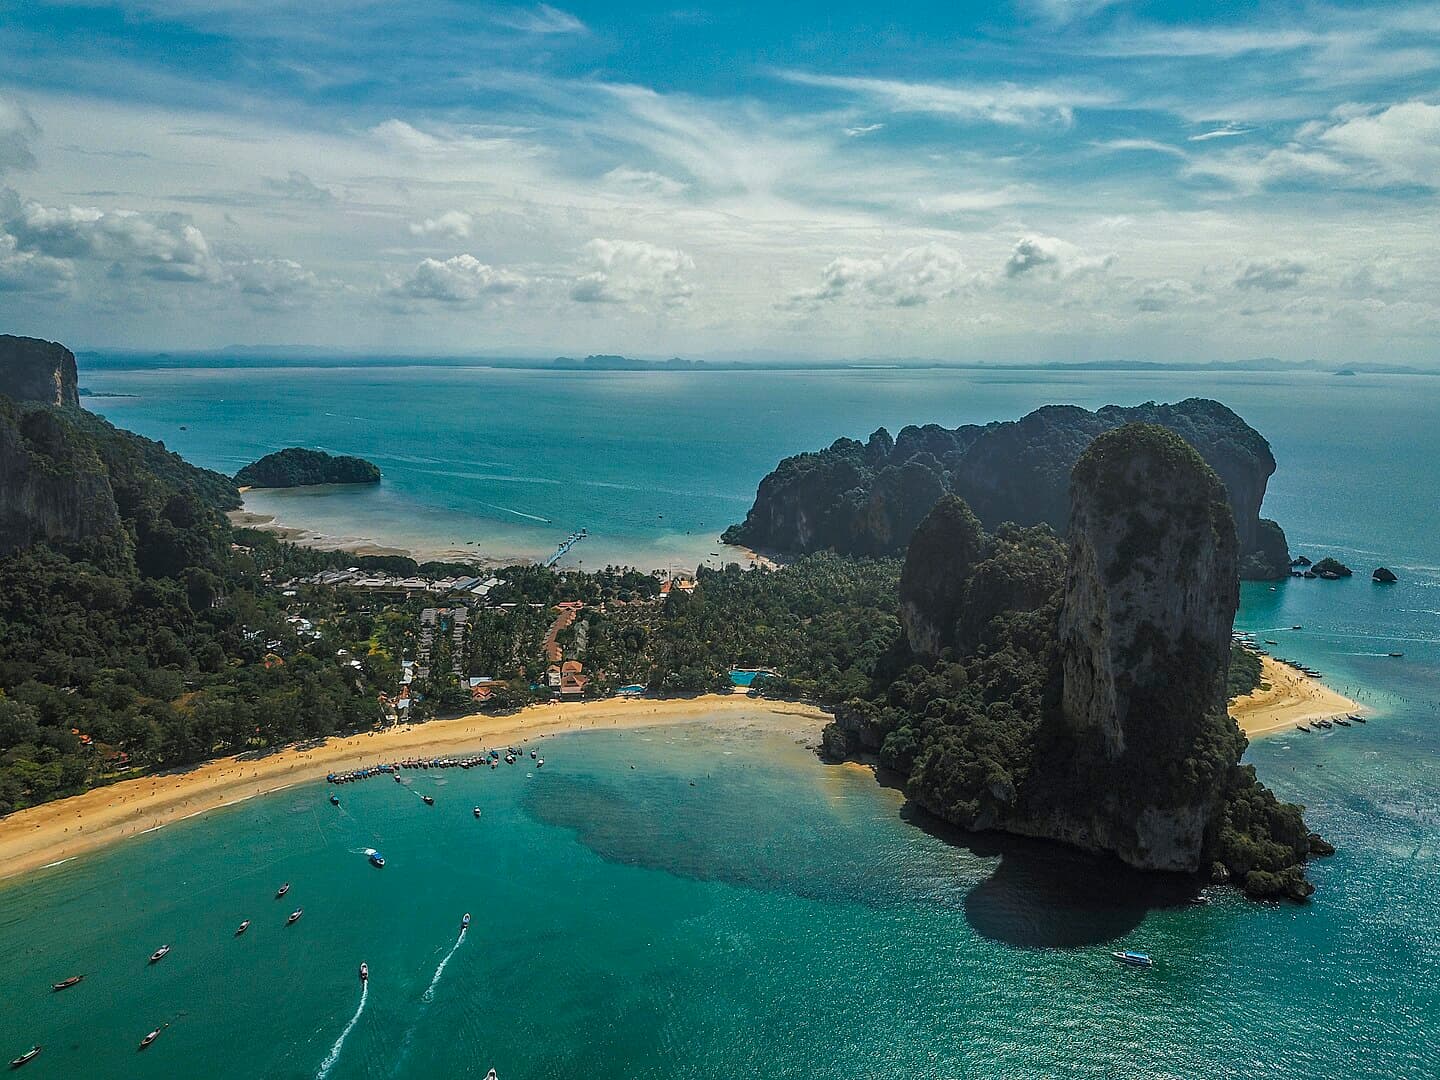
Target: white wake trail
429 994
329 1062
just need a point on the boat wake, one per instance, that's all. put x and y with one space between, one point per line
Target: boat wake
429 994
329 1062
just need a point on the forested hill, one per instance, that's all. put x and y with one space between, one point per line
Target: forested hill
867 498
130 631
298 467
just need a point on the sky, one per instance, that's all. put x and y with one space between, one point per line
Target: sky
1008 181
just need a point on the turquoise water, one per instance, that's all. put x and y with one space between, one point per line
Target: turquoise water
778 918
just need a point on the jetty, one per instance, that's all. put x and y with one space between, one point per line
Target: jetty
564 548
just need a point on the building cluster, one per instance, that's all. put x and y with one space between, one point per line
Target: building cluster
355 578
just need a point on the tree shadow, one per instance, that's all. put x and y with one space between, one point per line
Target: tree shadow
1047 895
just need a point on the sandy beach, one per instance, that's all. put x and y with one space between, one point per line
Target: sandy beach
59 831
1292 698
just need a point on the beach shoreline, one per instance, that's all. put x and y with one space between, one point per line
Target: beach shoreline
1287 698
57 832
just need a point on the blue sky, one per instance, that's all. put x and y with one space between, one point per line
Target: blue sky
1045 179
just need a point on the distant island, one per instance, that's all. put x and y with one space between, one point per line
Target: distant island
624 363
867 498
298 467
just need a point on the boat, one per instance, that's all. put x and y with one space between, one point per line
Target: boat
65 984
159 954
148 1039
1200 900
294 916
477 811
282 890
465 922
242 928
1397 655
376 859
1357 718
397 779
33 1052
1134 959
364 972
427 800
1297 626
334 800
532 755
1271 641
539 762
491 1075
1342 721
1301 727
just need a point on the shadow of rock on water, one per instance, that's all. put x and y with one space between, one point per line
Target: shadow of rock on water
1045 895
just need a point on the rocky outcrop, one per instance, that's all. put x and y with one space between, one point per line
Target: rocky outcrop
52 488
938 564
867 498
38 371
299 467
1151 580
1382 576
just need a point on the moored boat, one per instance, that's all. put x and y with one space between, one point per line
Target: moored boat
1134 959
282 890
1302 727
150 1038
540 763
294 916
1342 721
159 954
30 1056
65 984
242 928
364 972
1357 718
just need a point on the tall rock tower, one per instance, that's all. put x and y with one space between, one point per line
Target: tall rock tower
1151 591
35 370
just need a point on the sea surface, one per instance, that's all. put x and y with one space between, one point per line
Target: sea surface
709 902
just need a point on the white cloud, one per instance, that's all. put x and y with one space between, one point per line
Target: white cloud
543 19
1051 257
299 187
24 271
1270 275
164 246
643 181
908 278
18 131
451 225
1399 144
858 130
1220 133
274 283
633 272
1166 295
1144 145
462 279
998 103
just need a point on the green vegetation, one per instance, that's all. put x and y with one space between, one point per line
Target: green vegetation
298 467
1244 673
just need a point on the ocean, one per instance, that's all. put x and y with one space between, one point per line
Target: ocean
728 906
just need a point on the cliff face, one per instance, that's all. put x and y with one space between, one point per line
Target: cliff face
51 489
942 553
1152 575
1016 471
35 370
1150 598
